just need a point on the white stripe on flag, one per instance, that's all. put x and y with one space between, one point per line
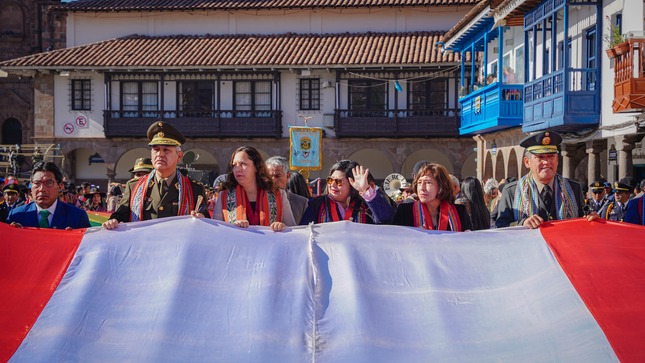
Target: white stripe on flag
184 289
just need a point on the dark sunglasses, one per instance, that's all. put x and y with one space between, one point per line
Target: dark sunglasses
339 182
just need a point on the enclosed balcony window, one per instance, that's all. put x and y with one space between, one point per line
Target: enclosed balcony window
195 98
428 95
367 95
139 96
252 96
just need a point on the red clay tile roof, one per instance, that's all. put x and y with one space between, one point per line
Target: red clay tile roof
472 14
236 51
192 5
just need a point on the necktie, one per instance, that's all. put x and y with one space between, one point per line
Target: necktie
43 221
163 187
546 198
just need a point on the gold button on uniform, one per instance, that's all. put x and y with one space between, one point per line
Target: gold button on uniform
161 208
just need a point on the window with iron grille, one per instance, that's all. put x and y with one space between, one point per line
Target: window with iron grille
310 93
81 94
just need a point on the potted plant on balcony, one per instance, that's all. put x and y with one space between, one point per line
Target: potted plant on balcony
616 44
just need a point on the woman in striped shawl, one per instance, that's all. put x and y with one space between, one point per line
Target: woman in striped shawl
435 208
349 196
249 196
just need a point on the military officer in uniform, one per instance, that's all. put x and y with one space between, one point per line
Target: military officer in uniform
599 198
11 200
542 194
615 210
164 192
142 166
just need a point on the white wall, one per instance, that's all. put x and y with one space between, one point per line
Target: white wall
84 28
68 123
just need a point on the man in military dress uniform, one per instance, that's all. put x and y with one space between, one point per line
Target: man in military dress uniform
542 194
11 200
142 166
164 192
599 198
615 210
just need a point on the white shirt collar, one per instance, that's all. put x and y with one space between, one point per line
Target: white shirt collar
51 208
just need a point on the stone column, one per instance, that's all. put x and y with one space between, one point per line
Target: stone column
624 145
111 174
593 149
568 165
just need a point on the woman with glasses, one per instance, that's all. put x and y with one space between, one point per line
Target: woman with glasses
349 196
435 208
249 197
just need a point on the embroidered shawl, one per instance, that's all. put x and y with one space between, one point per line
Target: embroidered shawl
448 216
234 202
527 197
140 192
356 211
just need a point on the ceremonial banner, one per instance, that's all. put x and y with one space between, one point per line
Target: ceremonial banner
183 289
305 148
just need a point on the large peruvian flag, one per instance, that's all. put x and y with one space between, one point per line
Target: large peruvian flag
196 290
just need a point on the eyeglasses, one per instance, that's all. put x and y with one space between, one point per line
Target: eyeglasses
339 182
39 183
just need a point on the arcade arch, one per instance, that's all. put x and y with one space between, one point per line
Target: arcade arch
11 132
499 166
431 155
512 164
488 166
375 160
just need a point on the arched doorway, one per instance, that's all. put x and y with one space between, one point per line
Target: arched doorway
488 166
512 164
11 132
499 167
379 165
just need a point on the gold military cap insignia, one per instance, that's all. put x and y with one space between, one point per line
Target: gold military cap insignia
160 134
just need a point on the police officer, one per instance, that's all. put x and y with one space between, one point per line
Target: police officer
615 210
142 166
599 198
164 192
542 194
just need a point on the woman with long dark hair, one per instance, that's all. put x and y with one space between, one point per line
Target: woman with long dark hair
297 184
249 196
435 208
472 197
349 196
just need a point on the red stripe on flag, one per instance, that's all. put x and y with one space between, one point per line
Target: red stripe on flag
605 262
32 264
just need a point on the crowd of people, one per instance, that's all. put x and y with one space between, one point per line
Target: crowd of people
262 192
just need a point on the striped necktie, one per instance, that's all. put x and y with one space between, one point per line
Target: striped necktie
43 221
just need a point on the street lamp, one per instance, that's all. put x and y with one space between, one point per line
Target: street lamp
493 148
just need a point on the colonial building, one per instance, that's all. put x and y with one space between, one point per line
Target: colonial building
541 65
238 73
26 27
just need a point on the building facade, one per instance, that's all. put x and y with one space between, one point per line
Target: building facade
233 74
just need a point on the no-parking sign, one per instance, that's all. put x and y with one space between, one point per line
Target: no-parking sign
68 128
81 121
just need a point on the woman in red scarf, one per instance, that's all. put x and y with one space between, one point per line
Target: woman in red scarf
249 196
349 196
435 208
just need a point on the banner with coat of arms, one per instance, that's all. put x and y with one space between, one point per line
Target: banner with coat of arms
305 148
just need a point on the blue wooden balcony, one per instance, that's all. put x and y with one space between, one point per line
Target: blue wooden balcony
493 107
562 101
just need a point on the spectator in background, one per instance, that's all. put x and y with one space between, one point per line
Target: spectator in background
142 167
297 184
456 187
509 75
94 200
472 197
114 198
278 168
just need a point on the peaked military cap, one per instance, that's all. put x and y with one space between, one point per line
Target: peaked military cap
545 142
142 164
163 133
11 188
597 185
624 185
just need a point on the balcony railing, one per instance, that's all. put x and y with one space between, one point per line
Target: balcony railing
397 123
208 123
494 107
629 78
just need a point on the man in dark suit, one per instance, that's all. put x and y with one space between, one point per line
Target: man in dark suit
278 168
45 210
542 194
164 192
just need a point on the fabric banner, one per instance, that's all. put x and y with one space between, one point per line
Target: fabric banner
305 148
189 290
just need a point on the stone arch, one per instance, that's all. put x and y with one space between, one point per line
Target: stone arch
488 166
512 164
431 155
499 166
205 168
126 161
80 168
11 132
469 167
12 18
375 160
